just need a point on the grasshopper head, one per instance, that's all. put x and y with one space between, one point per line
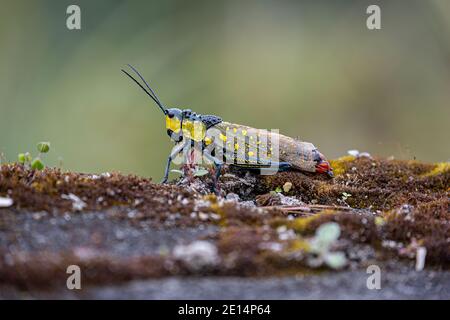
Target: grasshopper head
322 165
174 118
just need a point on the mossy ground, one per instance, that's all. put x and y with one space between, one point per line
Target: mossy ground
385 208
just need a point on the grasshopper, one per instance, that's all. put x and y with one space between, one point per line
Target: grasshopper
241 146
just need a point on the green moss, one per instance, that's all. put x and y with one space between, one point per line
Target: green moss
340 165
299 245
440 168
301 224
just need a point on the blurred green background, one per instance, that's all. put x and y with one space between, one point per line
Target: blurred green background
310 68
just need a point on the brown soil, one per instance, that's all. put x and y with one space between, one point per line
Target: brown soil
385 208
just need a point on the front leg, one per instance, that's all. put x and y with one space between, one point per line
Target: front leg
175 151
166 172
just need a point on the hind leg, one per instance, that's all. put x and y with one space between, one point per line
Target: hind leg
277 167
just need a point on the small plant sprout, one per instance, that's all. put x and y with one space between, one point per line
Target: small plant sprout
200 171
345 196
197 171
326 235
43 147
37 164
27 160
177 171
24 158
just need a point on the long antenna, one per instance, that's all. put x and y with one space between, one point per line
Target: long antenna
154 98
142 78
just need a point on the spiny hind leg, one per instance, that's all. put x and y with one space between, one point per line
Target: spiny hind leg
276 167
284 166
265 170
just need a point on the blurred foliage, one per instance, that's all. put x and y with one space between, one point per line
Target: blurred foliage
310 68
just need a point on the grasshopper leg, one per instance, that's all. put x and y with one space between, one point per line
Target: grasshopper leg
218 164
166 172
175 151
217 175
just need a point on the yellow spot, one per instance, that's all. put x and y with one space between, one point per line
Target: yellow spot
234 130
223 138
228 128
236 146
244 132
250 153
194 130
251 138
259 142
208 141
173 124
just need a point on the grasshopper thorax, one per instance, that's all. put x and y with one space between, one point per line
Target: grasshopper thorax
188 124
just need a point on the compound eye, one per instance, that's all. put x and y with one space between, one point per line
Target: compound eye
170 115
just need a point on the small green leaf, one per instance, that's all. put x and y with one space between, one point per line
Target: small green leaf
200 172
43 147
328 232
317 246
335 260
24 157
37 164
278 190
21 158
345 195
177 171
